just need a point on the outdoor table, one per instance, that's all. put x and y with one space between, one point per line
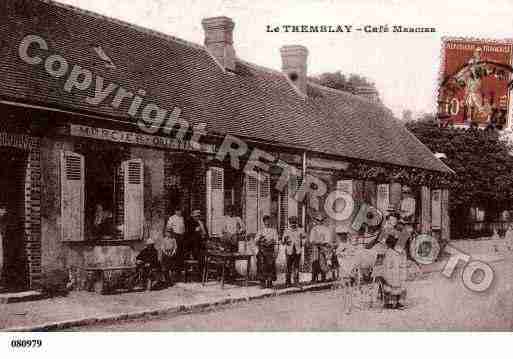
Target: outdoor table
226 259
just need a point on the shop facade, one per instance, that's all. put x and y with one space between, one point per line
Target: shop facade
91 184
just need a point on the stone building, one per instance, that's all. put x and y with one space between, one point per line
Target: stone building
90 107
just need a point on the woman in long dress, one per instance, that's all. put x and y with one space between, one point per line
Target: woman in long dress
394 274
267 241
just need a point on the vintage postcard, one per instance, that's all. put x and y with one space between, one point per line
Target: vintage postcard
238 166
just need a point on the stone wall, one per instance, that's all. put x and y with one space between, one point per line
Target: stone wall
73 256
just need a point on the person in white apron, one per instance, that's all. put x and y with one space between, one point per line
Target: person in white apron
175 230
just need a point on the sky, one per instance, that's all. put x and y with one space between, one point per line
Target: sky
404 66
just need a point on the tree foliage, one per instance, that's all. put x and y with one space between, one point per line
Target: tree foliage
482 162
337 80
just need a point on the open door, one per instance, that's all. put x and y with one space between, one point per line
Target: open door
13 258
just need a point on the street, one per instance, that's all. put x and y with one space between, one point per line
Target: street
434 303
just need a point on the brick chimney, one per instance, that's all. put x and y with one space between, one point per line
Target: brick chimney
293 64
219 40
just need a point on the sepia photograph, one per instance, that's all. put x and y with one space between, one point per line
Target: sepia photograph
274 166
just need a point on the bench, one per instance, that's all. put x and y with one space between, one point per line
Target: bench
108 278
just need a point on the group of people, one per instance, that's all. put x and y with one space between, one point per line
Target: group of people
183 239
345 256
329 249
267 239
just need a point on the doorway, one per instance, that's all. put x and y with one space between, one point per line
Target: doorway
14 276
184 180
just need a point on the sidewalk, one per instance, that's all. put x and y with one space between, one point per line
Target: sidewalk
83 308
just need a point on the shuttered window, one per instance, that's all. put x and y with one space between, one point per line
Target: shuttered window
383 197
72 196
264 199
215 200
257 201
251 204
436 209
133 219
289 206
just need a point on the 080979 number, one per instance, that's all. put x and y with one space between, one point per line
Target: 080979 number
26 343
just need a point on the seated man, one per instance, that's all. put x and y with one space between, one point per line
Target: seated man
147 264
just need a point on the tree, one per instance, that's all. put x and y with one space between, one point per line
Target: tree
407 116
337 80
483 165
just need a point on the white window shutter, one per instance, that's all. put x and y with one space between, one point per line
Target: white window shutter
284 207
133 177
436 209
383 197
264 198
215 200
251 189
72 196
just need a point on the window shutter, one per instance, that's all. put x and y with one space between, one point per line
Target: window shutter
396 190
133 178
215 199
264 199
72 196
436 208
292 205
251 189
284 208
383 194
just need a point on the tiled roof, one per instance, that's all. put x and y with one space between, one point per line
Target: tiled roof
253 102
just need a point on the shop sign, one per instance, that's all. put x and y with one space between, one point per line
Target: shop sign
326 164
19 141
138 138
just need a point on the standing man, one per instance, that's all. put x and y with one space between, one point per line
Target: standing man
197 236
321 236
294 238
175 229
